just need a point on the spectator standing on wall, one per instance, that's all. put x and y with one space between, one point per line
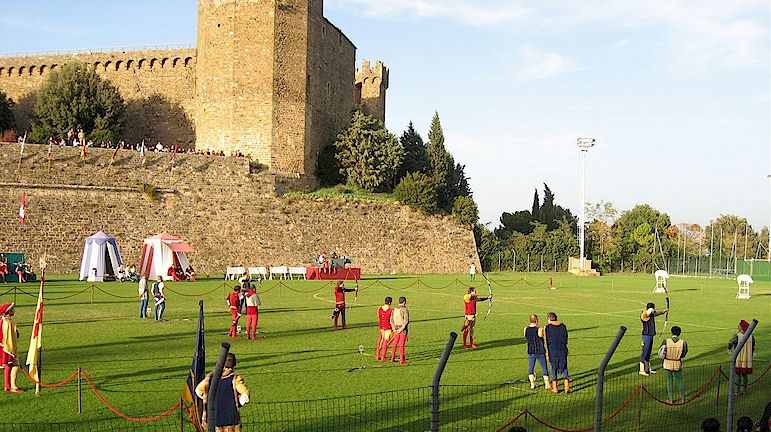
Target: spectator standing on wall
81 136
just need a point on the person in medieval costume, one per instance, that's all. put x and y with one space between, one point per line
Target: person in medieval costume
743 366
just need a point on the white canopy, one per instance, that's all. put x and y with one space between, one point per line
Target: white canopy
100 257
162 251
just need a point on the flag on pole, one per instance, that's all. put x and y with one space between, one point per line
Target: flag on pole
114 154
50 149
174 155
21 144
196 374
22 206
36 339
83 152
142 153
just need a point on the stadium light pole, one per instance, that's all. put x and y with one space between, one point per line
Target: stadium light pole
584 144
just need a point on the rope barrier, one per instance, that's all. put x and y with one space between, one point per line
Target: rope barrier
120 414
512 421
755 381
54 385
692 398
113 295
9 290
193 295
604 421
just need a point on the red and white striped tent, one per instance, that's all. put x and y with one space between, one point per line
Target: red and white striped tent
162 251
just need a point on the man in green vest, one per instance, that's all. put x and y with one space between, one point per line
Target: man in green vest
672 351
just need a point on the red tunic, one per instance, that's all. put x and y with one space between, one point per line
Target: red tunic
471 306
384 317
233 299
339 295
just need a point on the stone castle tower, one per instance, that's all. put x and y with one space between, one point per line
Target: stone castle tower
371 85
272 79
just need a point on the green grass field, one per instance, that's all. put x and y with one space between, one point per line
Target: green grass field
139 366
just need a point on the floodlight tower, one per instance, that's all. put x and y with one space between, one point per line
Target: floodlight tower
584 144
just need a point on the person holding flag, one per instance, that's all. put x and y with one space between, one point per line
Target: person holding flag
470 301
9 354
194 404
36 339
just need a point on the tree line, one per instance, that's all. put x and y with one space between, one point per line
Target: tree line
642 239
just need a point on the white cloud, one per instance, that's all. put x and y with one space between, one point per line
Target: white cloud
709 33
539 64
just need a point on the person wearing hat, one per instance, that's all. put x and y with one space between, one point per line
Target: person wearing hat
648 319
9 353
743 364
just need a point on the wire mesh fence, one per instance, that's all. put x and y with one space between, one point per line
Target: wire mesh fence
631 403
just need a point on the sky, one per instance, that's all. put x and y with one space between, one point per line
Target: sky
676 93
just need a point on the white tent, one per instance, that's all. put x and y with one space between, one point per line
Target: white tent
162 251
100 257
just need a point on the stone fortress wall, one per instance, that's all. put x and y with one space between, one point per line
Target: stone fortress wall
273 79
225 207
158 86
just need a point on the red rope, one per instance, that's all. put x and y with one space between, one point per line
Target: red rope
135 419
694 397
556 428
604 421
59 384
754 381
511 422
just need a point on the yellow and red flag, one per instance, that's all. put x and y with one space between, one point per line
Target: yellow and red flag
36 339
83 152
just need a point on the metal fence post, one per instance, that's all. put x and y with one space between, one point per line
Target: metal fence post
601 377
437 378
214 381
729 427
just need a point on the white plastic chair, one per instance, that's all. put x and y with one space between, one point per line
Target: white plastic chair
661 281
744 282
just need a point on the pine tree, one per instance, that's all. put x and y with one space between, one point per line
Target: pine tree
547 208
6 113
535 212
415 158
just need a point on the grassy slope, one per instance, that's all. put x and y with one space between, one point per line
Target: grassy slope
139 365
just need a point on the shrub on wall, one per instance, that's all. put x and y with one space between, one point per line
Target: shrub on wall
465 211
74 96
418 191
368 154
6 113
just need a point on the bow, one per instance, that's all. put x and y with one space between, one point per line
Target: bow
666 316
490 297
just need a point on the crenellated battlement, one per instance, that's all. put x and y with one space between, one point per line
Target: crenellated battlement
371 86
114 61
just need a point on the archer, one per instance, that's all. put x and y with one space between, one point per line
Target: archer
470 300
340 291
648 319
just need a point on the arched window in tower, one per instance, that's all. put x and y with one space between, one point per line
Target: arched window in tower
11 70
129 64
141 63
107 66
187 61
21 70
43 69
118 65
32 69
153 63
